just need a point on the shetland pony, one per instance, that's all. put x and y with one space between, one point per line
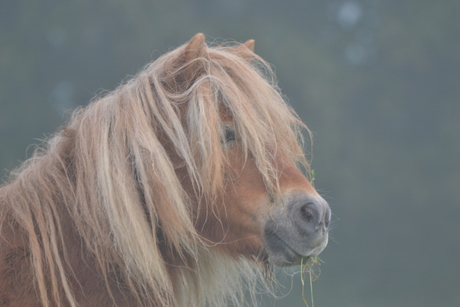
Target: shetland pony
179 188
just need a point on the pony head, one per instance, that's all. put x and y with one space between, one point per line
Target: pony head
245 144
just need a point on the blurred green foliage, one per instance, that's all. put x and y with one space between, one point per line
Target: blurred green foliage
377 81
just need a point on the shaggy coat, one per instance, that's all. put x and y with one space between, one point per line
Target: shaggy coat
179 188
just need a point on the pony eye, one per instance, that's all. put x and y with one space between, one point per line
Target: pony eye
229 134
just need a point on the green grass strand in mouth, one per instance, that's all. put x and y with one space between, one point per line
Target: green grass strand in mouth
308 265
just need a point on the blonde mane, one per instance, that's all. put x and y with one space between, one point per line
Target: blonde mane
109 180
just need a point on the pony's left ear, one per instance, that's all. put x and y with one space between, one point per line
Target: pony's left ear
196 48
188 65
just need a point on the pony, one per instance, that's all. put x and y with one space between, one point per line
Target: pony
182 187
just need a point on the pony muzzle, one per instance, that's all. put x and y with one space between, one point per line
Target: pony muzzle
297 229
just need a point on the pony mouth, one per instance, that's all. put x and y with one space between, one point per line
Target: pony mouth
281 254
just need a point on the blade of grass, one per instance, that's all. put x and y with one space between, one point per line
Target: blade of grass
303 267
308 265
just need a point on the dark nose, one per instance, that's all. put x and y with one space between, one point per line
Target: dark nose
313 214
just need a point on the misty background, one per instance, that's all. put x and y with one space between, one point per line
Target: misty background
378 82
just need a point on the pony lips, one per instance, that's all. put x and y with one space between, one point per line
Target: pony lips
173 190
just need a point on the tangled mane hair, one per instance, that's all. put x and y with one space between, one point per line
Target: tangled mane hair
109 181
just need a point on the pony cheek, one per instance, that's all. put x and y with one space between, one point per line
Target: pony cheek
233 225
234 222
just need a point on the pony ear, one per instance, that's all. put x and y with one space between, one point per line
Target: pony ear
249 44
195 48
245 50
188 65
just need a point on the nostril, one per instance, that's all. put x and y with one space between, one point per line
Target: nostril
327 219
308 212
311 215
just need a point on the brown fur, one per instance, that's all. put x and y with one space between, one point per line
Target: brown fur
140 201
